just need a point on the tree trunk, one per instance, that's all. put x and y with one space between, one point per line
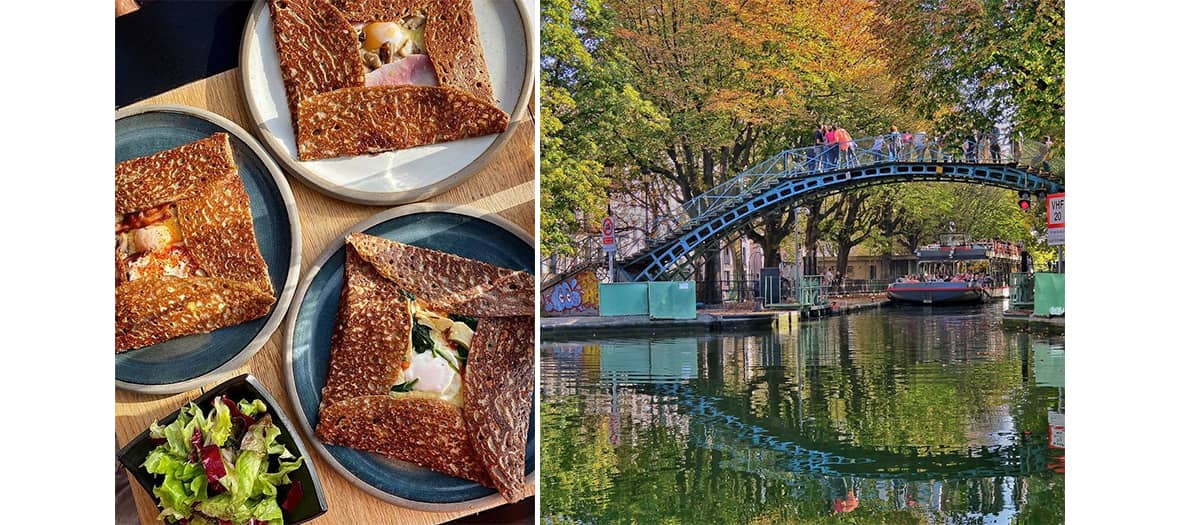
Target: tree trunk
712 293
739 269
843 250
853 229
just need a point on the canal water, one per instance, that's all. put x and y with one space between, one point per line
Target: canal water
901 415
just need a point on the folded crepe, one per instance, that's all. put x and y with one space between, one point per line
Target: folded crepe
367 76
432 362
186 260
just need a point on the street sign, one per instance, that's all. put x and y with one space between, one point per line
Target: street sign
608 235
1055 204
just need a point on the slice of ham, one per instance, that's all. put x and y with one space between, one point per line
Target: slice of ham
414 69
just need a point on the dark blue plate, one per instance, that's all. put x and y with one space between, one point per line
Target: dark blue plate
187 362
457 230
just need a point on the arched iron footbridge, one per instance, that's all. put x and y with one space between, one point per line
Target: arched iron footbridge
800 174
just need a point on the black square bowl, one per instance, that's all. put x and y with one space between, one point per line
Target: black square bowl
244 386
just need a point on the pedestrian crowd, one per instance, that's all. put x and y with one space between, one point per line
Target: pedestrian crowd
834 148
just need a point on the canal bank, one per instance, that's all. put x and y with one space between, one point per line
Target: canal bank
705 321
1026 321
643 325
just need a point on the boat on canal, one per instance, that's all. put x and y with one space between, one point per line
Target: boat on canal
958 271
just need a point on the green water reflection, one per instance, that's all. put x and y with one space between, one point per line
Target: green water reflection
898 416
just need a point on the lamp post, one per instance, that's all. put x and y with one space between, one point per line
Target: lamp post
798 262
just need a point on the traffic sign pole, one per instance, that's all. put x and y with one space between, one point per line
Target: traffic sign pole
609 246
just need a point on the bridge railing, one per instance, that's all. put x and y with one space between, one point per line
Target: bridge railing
847 287
587 252
587 255
811 160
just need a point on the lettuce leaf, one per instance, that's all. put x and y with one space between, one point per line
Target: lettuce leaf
252 408
268 510
249 490
221 424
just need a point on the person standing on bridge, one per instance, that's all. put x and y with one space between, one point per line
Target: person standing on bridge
832 151
920 146
1017 145
878 145
996 144
969 146
1046 151
894 142
847 147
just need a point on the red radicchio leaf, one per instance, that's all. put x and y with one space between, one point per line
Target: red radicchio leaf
197 440
211 461
237 412
294 496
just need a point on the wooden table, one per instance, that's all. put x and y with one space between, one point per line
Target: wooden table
505 187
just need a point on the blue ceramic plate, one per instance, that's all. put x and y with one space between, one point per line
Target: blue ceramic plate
187 362
462 231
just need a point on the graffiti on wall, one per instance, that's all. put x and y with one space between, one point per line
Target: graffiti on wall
577 295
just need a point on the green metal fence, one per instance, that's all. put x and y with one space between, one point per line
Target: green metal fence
812 291
1021 290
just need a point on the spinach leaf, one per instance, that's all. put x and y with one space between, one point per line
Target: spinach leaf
420 338
404 387
406 294
465 319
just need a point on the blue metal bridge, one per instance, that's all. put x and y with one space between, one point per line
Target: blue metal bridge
800 174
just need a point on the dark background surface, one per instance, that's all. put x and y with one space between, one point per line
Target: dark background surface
170 43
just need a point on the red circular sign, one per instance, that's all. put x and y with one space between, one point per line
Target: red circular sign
608 231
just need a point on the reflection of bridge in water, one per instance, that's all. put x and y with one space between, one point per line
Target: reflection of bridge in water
676 372
761 452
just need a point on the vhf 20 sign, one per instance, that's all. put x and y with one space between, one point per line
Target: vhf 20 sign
1055 203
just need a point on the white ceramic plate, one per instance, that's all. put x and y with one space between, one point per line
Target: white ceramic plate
402 176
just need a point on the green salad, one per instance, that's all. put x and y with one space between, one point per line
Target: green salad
224 466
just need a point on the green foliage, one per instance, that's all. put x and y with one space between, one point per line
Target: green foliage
588 112
967 64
